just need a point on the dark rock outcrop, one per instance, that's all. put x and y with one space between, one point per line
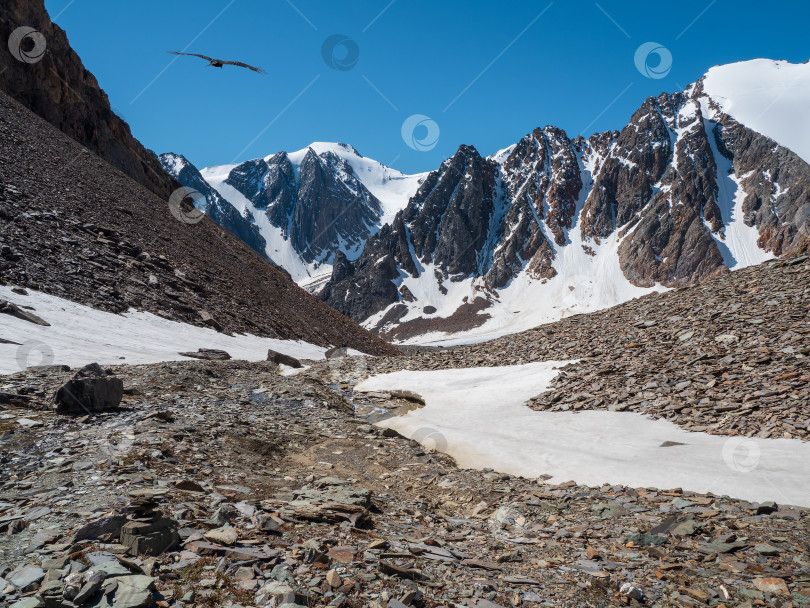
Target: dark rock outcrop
282 359
90 390
208 354
63 92
11 309
449 217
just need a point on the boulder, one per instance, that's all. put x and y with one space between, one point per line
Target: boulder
106 529
12 309
282 359
208 354
136 591
150 538
90 390
337 352
24 577
225 535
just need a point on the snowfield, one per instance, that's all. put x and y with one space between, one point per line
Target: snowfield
478 417
79 334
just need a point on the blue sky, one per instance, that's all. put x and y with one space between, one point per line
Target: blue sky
475 72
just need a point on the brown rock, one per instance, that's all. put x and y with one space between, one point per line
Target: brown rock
776 586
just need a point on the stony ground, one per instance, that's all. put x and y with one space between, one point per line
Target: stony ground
284 496
283 493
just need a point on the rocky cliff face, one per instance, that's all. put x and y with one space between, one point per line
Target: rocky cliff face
323 209
307 205
63 92
682 193
542 182
215 207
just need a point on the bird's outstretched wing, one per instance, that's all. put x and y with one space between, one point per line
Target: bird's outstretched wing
244 65
193 55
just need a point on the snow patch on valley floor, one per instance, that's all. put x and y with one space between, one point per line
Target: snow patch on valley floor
79 334
478 416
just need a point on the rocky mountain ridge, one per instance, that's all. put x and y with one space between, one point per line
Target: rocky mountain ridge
307 206
683 193
551 225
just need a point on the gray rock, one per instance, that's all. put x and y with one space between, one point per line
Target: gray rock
113 568
223 515
90 390
208 354
150 538
631 591
12 309
282 359
24 577
105 528
91 586
27 602
336 353
135 591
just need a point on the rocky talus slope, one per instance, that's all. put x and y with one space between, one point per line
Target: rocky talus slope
218 209
74 226
63 92
275 493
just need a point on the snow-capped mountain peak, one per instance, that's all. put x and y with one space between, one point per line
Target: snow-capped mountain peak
697 183
309 204
390 186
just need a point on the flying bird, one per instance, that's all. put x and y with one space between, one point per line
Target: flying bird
218 63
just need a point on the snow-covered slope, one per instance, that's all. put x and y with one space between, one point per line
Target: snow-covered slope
78 335
769 97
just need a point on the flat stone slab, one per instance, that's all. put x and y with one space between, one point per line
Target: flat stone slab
24 577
